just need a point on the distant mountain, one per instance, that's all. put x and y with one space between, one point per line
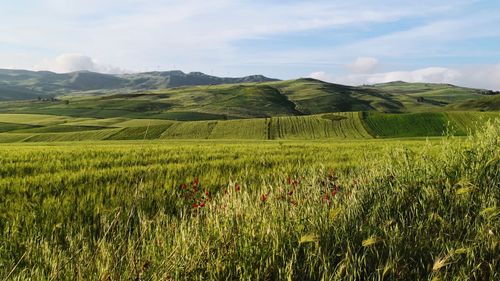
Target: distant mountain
24 84
176 78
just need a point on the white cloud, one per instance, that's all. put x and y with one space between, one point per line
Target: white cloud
363 65
76 62
479 76
145 33
430 75
321 75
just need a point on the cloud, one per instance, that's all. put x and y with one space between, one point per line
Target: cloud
145 33
76 62
479 76
363 65
282 39
321 75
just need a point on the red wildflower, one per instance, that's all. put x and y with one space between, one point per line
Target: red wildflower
263 198
202 204
195 206
290 193
289 180
237 188
183 186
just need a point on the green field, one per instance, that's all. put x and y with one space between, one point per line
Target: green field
340 125
121 179
336 209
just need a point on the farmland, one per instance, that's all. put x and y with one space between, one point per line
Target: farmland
339 125
279 180
225 209
219 140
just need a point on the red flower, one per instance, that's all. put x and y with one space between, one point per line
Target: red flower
202 204
183 186
237 188
263 198
289 180
195 183
195 205
290 193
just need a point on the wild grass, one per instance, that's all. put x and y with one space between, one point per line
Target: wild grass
258 211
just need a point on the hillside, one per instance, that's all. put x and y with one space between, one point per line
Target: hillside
249 100
487 103
24 84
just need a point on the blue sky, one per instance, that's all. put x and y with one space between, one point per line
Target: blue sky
350 42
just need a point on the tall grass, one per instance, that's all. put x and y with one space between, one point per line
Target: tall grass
429 213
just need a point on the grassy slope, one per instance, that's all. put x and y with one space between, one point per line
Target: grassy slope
23 84
435 96
485 103
271 99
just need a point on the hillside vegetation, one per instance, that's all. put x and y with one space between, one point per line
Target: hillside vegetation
250 100
24 84
487 103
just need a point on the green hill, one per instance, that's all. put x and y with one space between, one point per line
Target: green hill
252 100
93 106
485 103
24 84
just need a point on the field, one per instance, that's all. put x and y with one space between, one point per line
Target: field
283 180
340 125
268 210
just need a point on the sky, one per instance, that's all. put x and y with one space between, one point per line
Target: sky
349 42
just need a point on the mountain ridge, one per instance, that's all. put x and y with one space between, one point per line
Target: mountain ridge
34 84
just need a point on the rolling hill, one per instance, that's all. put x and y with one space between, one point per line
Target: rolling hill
249 100
45 106
24 84
487 103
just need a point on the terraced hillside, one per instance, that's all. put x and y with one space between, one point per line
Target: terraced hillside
344 125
